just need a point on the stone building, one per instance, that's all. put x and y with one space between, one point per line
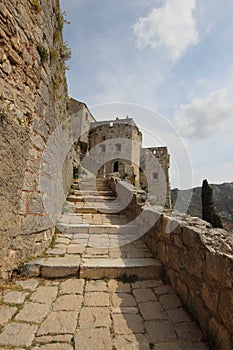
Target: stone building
117 146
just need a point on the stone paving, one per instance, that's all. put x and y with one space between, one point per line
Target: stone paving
92 310
78 314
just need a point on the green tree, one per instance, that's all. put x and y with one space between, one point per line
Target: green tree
208 210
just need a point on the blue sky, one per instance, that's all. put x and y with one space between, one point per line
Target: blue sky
174 57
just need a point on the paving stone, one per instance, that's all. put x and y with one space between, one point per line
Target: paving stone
72 286
132 342
188 332
118 287
94 317
97 339
68 303
127 323
59 322
56 346
164 289
18 334
75 249
160 331
123 299
64 338
178 315
195 346
63 240
96 286
152 311
170 346
15 297
56 251
45 294
30 284
170 301
142 295
147 284
6 313
124 310
33 312
96 299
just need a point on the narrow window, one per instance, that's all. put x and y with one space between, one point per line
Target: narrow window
155 176
118 147
103 148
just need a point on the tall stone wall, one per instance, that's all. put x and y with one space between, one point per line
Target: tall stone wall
33 102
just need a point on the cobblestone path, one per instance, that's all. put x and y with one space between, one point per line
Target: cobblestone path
50 310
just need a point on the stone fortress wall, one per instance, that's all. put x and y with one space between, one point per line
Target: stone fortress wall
33 102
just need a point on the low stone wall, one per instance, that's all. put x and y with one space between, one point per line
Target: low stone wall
198 262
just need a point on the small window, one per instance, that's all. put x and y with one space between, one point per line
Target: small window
154 151
155 176
103 148
118 147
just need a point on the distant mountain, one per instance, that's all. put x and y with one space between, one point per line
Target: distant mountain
223 201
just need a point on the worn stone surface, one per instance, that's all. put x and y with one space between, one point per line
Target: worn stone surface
63 314
72 286
33 312
68 303
6 312
94 317
59 322
15 297
97 339
18 334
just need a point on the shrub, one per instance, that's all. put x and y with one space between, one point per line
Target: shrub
44 55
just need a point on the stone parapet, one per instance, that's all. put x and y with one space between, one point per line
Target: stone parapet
198 262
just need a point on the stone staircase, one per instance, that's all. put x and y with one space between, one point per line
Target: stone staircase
96 239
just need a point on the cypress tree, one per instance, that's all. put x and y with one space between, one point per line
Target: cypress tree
208 211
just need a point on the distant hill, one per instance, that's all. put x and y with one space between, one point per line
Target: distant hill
223 201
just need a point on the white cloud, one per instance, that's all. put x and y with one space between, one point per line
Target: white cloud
171 26
228 165
205 117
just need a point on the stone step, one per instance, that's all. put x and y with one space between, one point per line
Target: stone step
93 193
98 268
97 229
53 267
85 198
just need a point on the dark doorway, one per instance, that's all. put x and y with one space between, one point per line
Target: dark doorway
116 167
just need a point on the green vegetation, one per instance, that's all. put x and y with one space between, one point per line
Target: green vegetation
127 278
61 20
65 52
53 55
208 210
36 6
152 346
44 55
